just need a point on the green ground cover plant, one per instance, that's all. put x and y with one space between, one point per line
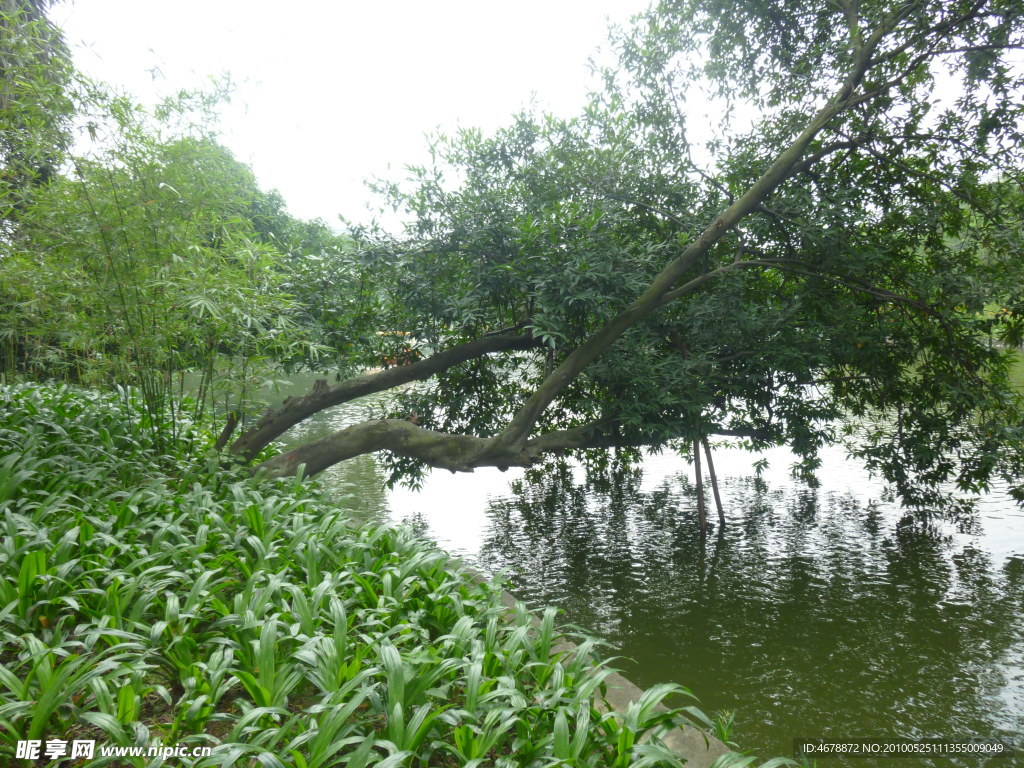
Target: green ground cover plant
146 600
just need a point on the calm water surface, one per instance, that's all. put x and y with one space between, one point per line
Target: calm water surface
814 613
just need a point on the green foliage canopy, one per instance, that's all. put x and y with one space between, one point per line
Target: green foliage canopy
840 257
853 253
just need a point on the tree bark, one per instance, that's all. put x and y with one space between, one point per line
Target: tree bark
457 453
276 422
229 429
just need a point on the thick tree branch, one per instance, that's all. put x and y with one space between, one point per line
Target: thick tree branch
457 453
276 422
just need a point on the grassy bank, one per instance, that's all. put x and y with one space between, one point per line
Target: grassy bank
144 600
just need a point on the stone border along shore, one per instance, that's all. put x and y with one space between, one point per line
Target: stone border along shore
697 748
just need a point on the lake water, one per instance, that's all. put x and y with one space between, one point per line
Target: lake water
815 613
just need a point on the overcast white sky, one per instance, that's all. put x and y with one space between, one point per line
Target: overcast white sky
331 93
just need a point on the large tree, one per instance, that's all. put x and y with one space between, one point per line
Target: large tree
851 258
35 110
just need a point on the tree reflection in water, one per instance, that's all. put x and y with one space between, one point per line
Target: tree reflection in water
810 614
